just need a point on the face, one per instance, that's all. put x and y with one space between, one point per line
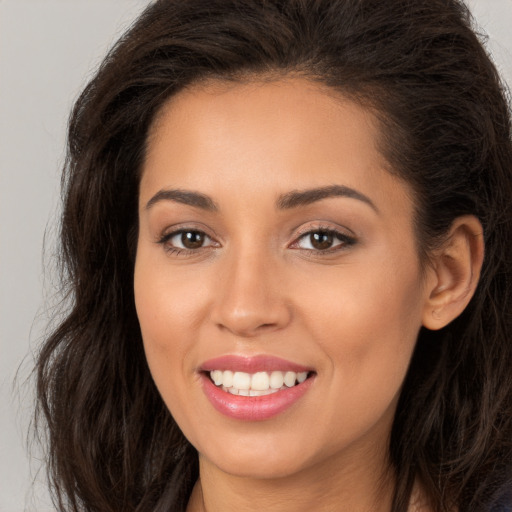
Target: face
276 258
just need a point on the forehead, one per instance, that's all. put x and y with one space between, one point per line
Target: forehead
265 95
268 136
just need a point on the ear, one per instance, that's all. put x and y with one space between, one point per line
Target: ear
454 273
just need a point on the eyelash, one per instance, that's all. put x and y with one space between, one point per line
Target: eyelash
181 251
345 240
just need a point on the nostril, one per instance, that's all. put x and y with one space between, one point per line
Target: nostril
248 325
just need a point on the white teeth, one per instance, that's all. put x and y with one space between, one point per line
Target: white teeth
260 381
227 378
302 376
257 384
290 378
276 380
216 376
241 380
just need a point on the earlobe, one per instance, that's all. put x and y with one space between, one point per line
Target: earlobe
454 273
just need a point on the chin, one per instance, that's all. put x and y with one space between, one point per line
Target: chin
260 469
268 459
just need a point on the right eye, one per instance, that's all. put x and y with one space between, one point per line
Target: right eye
186 240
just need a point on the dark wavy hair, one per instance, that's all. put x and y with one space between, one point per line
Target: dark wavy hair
446 129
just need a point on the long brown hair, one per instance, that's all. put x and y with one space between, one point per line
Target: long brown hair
446 130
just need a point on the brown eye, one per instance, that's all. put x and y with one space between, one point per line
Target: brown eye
192 239
186 240
324 241
321 240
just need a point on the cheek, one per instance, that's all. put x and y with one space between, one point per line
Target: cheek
363 302
366 321
166 311
165 316
168 304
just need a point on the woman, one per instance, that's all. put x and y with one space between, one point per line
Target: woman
286 233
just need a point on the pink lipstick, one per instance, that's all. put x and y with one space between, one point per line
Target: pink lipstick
254 388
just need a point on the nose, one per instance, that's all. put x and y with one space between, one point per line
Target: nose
251 298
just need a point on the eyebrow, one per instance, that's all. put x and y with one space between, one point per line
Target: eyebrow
185 197
297 198
290 200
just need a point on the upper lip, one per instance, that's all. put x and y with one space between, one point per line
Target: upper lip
252 364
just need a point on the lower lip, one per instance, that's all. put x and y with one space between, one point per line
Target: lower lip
253 408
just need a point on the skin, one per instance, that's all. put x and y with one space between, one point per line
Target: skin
257 286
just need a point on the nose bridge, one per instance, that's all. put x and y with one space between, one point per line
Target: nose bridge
250 298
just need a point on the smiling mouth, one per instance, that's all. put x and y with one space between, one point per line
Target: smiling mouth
256 384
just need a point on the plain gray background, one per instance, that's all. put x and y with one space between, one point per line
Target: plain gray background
48 49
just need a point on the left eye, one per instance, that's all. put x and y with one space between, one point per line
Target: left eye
323 240
188 239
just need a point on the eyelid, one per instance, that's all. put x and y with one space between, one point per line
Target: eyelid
324 226
181 227
345 235
171 231
172 234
